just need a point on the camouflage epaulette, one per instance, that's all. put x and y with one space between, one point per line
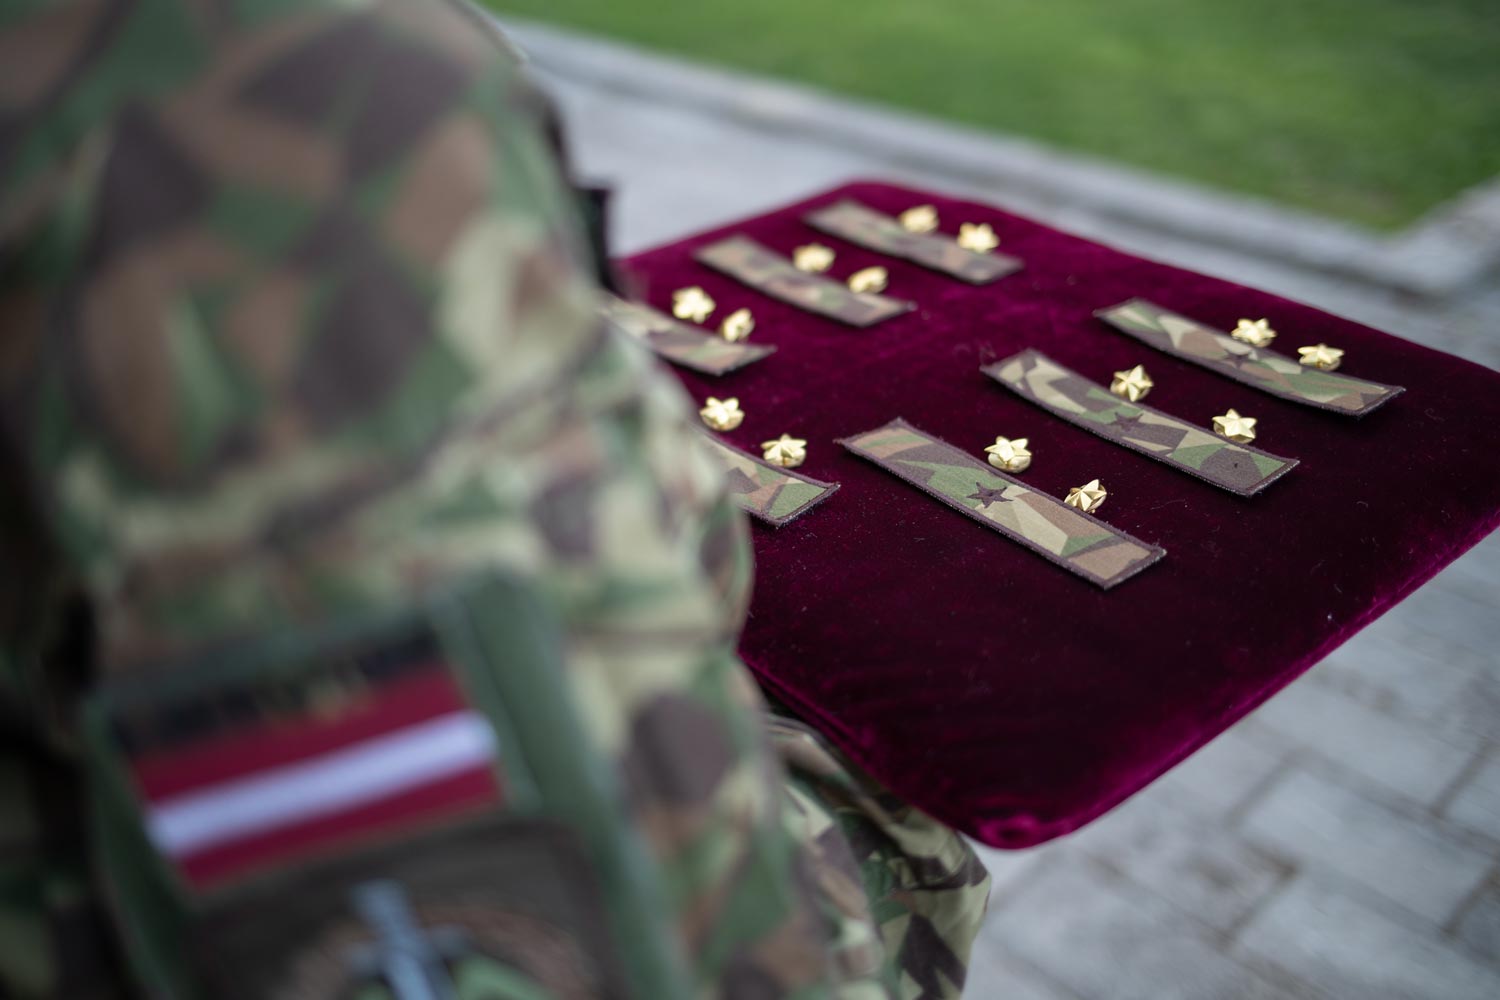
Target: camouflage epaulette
1197 451
771 274
1258 367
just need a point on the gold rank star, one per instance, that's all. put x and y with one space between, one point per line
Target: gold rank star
921 219
814 258
870 279
692 303
1088 498
1235 427
722 414
1009 454
786 451
1320 356
979 238
737 326
1132 384
1256 333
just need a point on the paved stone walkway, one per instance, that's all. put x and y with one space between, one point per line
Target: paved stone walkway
1342 842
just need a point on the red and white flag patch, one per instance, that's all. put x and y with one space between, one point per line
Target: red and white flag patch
268 788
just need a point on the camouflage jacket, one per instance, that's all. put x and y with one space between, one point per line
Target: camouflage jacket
315 460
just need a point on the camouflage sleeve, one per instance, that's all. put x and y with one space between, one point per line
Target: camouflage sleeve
299 326
925 887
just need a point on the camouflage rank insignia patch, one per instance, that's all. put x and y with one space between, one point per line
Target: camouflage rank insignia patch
679 342
849 220
264 771
1079 543
769 492
1258 367
771 274
1197 451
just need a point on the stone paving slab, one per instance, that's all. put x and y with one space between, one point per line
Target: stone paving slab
1322 824
1476 805
1478 928
1103 937
1186 861
1328 941
1226 877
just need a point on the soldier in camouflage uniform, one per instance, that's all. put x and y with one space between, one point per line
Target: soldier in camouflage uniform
313 457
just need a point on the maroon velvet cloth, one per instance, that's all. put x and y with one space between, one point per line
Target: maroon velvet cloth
1003 695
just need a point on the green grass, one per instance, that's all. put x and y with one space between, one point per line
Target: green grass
1373 110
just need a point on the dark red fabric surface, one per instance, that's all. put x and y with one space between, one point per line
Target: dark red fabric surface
996 691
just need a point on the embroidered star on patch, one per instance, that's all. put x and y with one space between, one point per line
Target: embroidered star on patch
987 496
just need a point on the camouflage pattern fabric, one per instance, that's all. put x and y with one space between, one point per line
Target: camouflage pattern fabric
679 343
299 327
771 274
849 220
769 492
1078 542
1258 367
927 888
1197 451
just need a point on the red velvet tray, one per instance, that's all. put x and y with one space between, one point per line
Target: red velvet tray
998 692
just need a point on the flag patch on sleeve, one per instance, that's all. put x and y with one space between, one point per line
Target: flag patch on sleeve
272 770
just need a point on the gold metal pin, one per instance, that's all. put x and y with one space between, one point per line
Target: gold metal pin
921 219
722 414
869 279
814 258
692 304
1009 454
737 326
786 451
1235 427
1256 333
1321 357
1132 384
1088 498
978 237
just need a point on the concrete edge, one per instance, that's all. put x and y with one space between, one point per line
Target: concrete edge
1453 246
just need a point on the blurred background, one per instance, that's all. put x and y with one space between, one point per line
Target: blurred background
1344 841
1373 111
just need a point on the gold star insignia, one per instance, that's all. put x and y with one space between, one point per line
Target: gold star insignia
1088 498
1132 384
692 303
786 451
1235 427
1009 454
1320 356
870 279
814 258
737 326
979 238
722 414
921 219
1256 333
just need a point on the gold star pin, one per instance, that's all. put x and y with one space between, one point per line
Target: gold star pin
1088 498
921 219
722 414
814 258
692 303
1320 356
1009 454
1235 427
979 238
737 326
1132 384
870 279
1256 333
786 451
